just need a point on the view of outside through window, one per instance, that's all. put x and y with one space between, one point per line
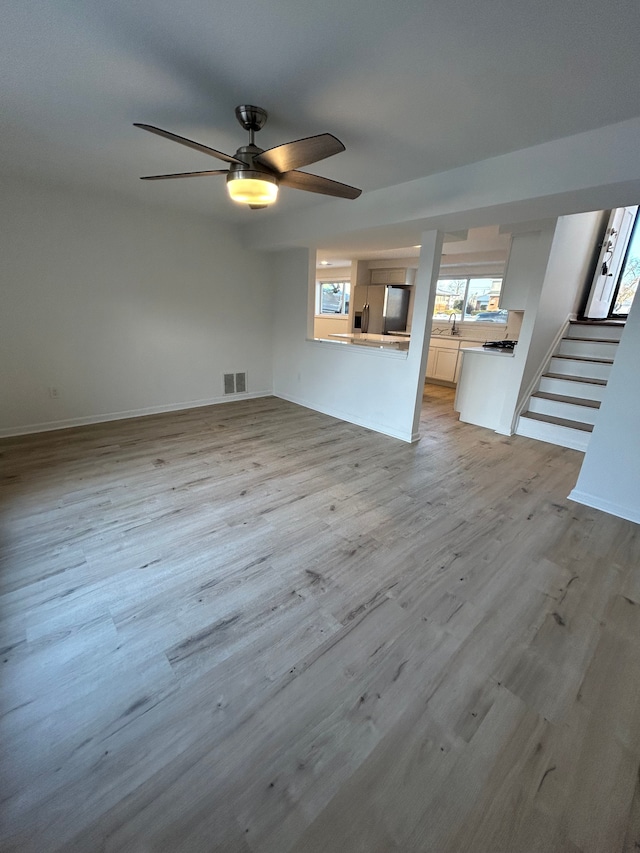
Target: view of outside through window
333 297
630 275
475 299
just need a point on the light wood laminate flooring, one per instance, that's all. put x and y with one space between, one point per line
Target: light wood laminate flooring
252 628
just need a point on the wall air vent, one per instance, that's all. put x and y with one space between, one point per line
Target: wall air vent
235 383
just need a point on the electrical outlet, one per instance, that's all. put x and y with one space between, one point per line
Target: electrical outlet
54 393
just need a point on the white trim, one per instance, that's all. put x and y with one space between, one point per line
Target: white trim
49 426
318 296
410 438
532 386
343 317
630 513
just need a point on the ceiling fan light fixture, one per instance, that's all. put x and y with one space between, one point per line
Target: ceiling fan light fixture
248 186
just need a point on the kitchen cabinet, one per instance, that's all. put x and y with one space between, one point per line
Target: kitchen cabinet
442 359
445 359
393 276
443 365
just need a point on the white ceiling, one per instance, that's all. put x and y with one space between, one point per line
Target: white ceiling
412 87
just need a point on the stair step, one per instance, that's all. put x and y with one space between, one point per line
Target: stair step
554 430
608 322
593 348
565 422
609 331
587 368
563 407
563 398
591 340
572 386
591 358
568 378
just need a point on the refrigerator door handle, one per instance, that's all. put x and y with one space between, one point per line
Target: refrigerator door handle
365 318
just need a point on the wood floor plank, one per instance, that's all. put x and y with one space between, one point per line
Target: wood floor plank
252 628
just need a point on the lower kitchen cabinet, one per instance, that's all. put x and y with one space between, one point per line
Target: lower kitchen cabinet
443 359
443 364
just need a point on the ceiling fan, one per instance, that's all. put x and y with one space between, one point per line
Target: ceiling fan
254 175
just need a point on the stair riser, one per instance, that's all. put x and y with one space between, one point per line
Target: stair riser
567 388
587 349
573 367
568 411
553 433
609 333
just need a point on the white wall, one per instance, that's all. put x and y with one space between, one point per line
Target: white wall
610 476
528 262
376 388
330 324
123 308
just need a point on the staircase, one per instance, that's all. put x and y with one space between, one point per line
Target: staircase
565 407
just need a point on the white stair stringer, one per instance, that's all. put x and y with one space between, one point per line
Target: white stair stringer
564 407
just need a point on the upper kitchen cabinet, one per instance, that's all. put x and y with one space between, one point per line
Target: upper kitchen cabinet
393 276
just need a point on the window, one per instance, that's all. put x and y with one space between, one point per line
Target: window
476 299
332 297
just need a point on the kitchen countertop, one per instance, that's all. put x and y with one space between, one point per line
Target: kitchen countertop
402 340
499 352
366 339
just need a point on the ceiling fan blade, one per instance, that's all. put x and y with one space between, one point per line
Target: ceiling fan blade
183 175
189 143
316 184
302 152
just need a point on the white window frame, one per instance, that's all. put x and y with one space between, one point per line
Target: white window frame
346 285
468 278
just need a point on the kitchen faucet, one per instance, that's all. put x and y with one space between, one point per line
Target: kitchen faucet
454 328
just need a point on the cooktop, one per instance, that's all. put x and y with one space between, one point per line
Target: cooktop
506 345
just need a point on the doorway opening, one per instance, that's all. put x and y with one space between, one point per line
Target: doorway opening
629 277
617 269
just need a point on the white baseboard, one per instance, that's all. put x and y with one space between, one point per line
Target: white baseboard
49 426
630 513
409 437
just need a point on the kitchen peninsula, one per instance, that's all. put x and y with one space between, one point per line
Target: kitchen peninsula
365 339
482 383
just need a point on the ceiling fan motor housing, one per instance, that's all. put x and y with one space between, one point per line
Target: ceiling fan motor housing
249 168
237 172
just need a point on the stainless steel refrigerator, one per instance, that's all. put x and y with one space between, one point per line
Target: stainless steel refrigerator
387 314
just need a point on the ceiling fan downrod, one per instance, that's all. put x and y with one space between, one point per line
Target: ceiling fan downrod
252 119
